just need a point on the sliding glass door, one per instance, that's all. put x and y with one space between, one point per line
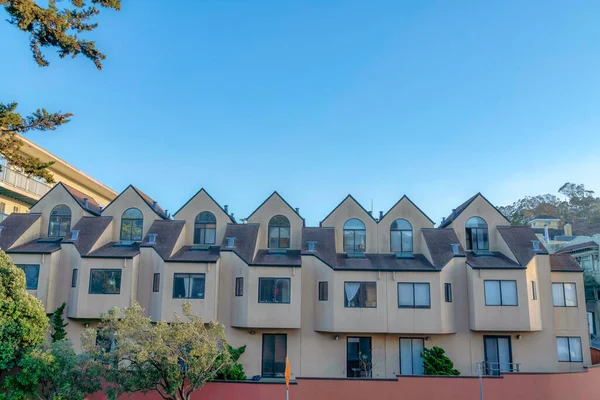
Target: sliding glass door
274 352
498 354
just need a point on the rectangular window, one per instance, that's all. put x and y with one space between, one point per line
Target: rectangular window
411 362
32 272
360 294
500 293
16 209
564 294
188 286
105 281
591 322
448 292
74 277
533 291
156 283
239 286
2 207
569 349
274 290
359 362
413 295
323 291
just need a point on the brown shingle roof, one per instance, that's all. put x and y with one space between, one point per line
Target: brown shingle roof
458 210
15 225
90 229
189 254
168 232
115 250
579 246
245 240
518 239
36 246
325 243
383 262
497 261
438 242
289 258
93 206
161 213
563 263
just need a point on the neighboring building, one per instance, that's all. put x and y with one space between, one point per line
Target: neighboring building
356 296
541 221
18 192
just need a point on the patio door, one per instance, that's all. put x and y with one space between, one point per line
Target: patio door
498 354
274 352
358 357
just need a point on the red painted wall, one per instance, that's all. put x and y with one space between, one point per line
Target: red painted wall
518 386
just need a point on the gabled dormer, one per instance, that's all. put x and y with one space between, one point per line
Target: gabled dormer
61 209
399 230
475 223
132 213
205 220
355 228
280 224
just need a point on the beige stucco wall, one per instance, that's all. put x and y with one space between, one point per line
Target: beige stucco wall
202 202
126 200
346 210
480 208
405 210
47 277
57 196
272 207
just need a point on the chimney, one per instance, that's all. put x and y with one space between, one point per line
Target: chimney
167 214
536 246
298 210
568 229
155 206
380 215
226 208
75 234
546 234
85 202
152 238
231 242
453 213
311 245
455 248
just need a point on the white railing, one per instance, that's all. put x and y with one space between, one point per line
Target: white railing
486 368
22 181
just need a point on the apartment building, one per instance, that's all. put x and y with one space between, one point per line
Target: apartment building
357 296
18 191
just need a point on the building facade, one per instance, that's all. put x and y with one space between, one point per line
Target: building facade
357 296
18 192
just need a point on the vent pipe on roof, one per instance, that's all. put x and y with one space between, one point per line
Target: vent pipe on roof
536 246
231 242
311 245
1 229
453 213
101 207
443 219
455 248
167 214
152 238
232 215
546 234
370 213
298 210
75 234
226 208
155 206
380 215
85 202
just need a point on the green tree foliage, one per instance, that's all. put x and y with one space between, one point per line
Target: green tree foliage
58 27
590 283
59 324
49 26
235 370
51 371
23 321
578 205
174 359
436 362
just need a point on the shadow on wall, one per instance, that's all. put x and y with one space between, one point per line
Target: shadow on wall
548 386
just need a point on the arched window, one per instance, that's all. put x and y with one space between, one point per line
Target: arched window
355 236
401 236
60 221
477 234
205 228
279 232
132 223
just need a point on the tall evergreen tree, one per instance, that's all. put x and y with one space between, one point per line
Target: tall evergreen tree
59 324
436 362
50 26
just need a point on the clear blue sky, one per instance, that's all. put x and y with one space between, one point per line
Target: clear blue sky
318 99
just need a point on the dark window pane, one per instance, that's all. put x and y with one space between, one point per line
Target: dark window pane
188 286
131 225
274 353
74 278
358 357
323 291
360 294
60 221
156 283
105 281
32 272
239 286
274 290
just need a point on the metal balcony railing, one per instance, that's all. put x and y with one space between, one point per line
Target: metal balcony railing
486 368
22 181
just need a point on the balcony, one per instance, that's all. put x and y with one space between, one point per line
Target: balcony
20 186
